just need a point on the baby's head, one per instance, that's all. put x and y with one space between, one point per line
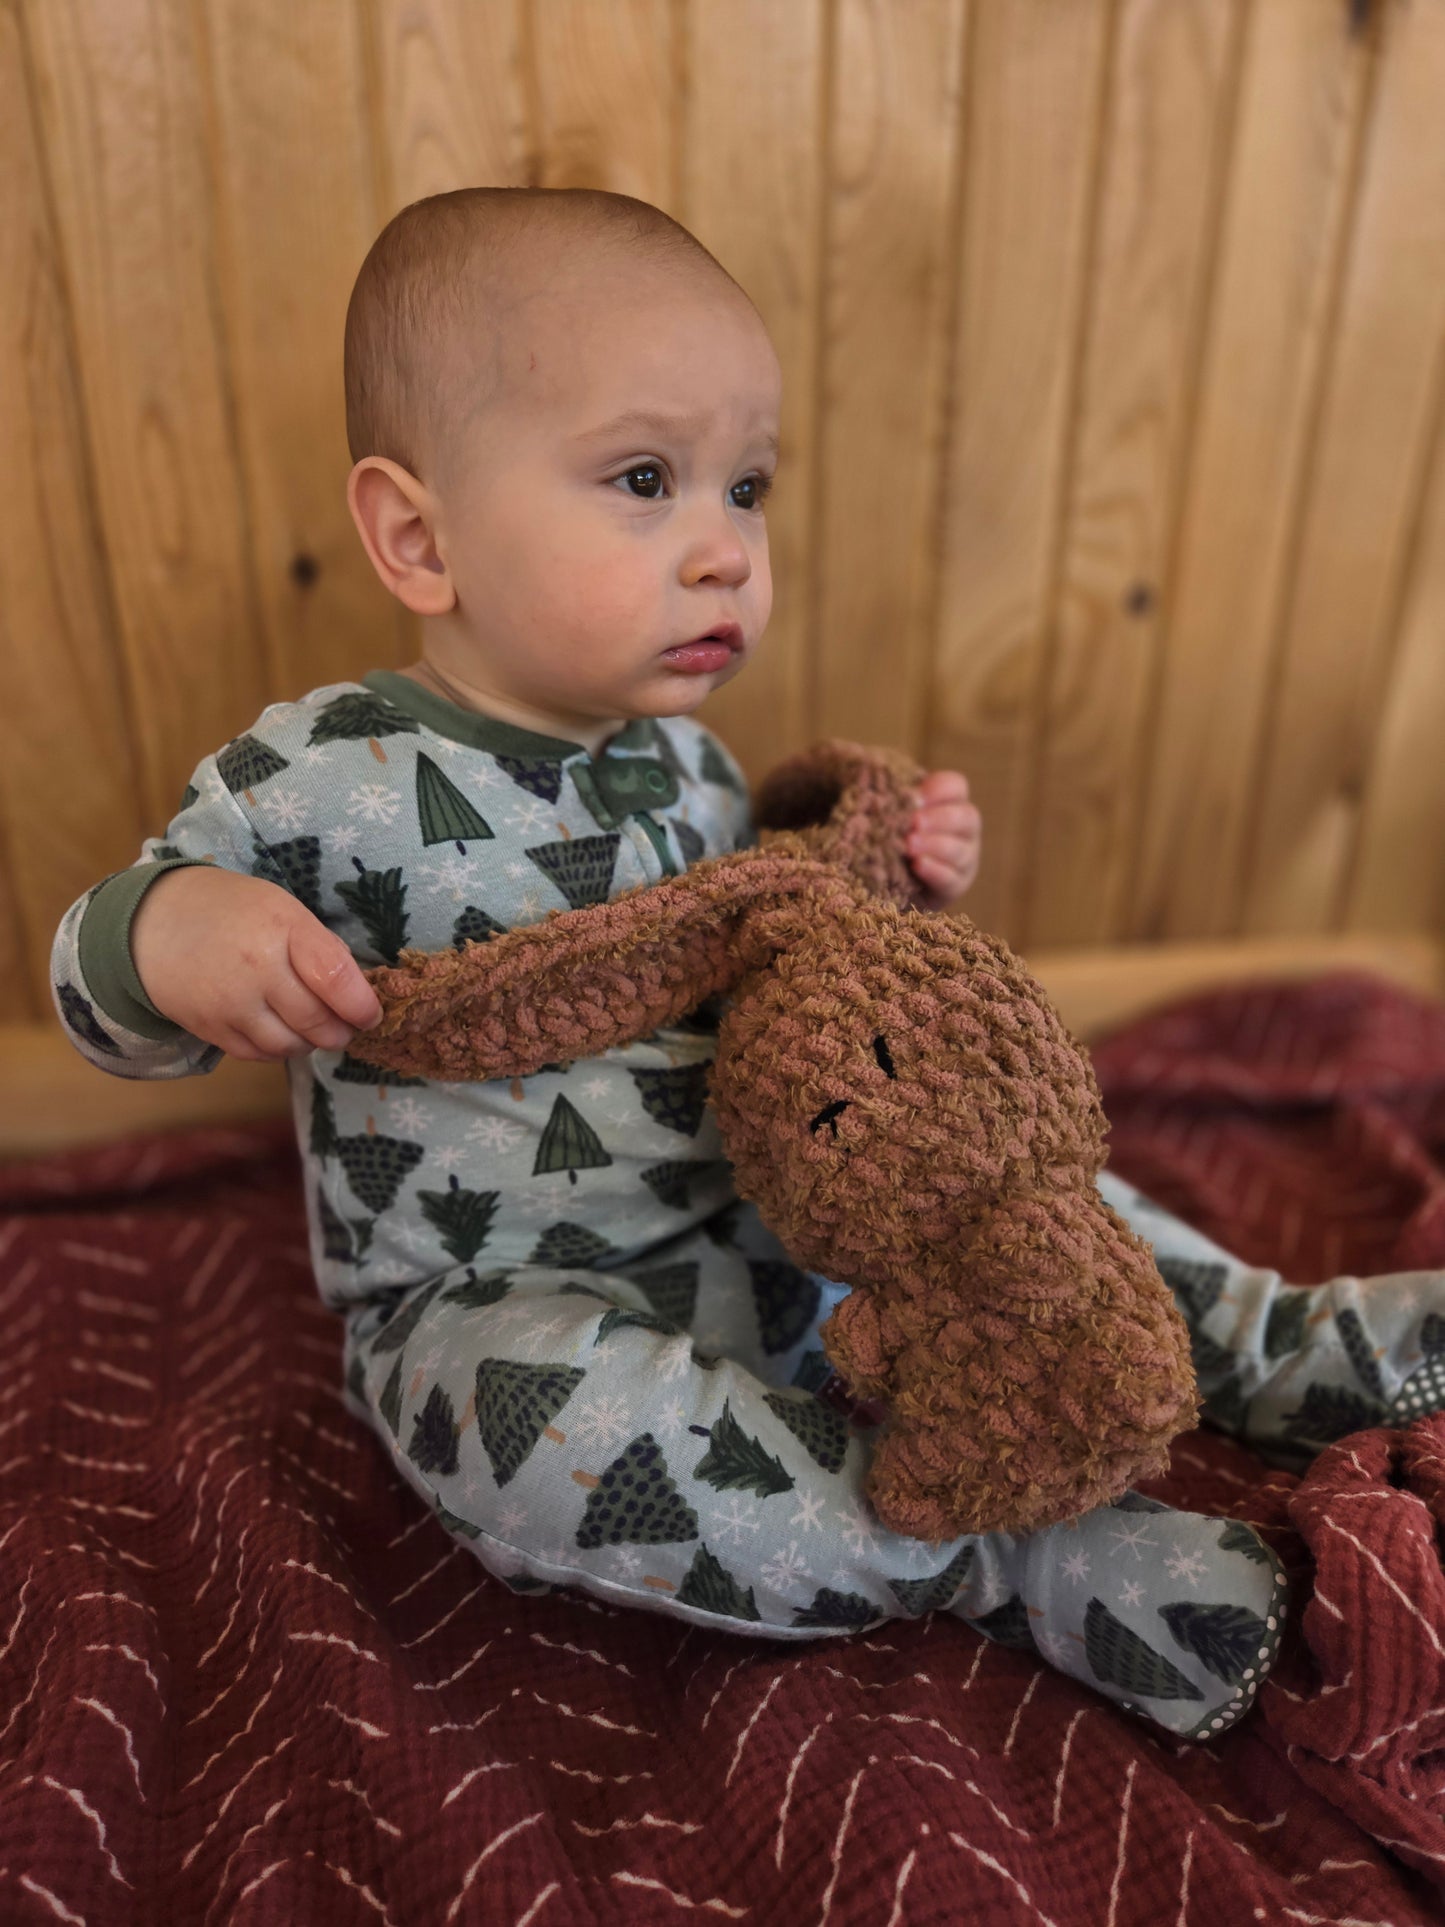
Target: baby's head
495 338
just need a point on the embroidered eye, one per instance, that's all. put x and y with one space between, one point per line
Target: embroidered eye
880 1051
829 1115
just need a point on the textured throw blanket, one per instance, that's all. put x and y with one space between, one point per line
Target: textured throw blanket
246 1677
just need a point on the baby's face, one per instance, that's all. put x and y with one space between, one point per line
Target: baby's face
583 549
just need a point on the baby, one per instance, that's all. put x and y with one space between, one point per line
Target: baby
588 1355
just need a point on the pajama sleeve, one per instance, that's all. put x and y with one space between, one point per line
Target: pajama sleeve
99 998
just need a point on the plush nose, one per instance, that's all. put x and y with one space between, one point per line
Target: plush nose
829 1115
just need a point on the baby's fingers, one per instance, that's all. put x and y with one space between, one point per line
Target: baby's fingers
327 968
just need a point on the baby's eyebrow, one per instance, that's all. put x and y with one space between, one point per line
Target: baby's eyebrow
660 424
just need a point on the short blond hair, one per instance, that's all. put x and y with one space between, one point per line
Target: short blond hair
468 258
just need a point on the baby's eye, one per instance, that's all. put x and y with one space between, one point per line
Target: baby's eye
645 468
761 486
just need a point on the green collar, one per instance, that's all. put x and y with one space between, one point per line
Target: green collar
489 732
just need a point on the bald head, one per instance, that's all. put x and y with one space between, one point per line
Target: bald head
439 306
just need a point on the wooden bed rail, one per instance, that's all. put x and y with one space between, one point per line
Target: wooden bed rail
51 1097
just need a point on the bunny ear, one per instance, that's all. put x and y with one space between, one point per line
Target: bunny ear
849 804
582 981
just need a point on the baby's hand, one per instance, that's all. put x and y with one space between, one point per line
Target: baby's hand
239 962
945 837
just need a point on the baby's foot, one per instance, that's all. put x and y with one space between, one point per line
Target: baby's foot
1291 1368
1173 1615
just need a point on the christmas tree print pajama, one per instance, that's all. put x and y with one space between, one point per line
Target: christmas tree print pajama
579 1346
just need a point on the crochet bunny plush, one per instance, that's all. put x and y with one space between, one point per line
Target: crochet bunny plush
907 1111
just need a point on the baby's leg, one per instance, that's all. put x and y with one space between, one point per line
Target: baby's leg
573 1430
1290 1368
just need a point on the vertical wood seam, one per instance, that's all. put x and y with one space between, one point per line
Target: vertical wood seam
955 236
811 624
1292 547
1034 741
1201 334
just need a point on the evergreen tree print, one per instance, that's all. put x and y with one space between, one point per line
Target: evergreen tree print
1119 1657
515 1405
785 1301
454 1522
822 1433
539 778
342 1245
713 768
323 1122
389 1404
568 1143
737 1461
361 715
1238 1537
1331 1412
351 1070
378 897
1195 1286
474 1292
1284 1329
580 867
712 1589
636 1503
475 926
246 763
567 1247
400 1326
671 1181
1227 1406
1357 1346
671 1290
667 749
433 1446
722 1224
190 795
1226 1639
294 866
444 814
462 1217
1008 1625
624 1315
919 1596
82 1019
830 1608
688 840
376 1166
674 1098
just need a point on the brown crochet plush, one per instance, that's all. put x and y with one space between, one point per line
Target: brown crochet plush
908 1112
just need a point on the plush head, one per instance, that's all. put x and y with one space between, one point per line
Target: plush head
911 1117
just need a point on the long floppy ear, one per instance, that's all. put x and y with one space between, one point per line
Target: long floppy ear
845 803
581 981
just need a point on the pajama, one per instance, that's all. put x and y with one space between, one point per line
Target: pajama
585 1353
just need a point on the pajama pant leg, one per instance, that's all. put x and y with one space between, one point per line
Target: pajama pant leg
1291 1368
574 1434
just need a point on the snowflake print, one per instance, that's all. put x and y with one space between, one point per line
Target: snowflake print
374 802
516 1311
454 873
558 1192
807 1516
1186 1565
285 808
519 869
409 1116
528 816
449 1157
531 905
406 1233
606 1424
1077 1565
785 1569
627 1561
344 839
489 777
596 1087
513 1519
1055 1648
393 1272
859 1532
1132 1593
743 1515
1132 1537
673 1360
496 1133
317 753
672 1417
212 789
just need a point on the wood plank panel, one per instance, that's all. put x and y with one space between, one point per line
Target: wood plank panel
452 98
68 804
1367 469
123 115
1304 90
1031 123
1171 97
752 163
896 108
296 217
1397 880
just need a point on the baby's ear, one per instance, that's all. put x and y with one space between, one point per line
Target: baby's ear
583 981
849 804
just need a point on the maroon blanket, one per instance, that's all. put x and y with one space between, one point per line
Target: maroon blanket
244 1676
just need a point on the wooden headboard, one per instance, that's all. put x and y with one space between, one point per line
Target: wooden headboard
1113 465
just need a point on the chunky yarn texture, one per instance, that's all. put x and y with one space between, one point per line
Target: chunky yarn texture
909 1114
